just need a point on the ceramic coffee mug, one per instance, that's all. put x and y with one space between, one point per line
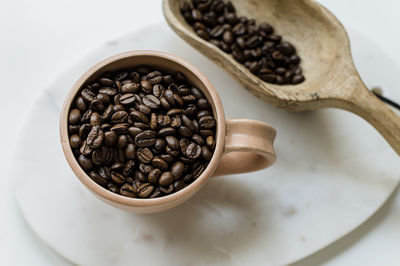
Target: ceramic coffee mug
242 145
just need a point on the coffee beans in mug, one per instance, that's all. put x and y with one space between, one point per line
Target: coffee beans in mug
142 133
259 48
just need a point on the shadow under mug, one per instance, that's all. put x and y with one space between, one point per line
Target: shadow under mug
242 145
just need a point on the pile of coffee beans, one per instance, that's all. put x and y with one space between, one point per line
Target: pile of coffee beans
142 133
257 47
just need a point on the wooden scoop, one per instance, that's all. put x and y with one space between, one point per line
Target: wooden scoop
323 45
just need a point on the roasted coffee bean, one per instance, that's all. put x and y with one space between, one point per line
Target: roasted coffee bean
178 185
198 171
154 77
128 190
136 137
144 155
167 131
173 142
167 190
158 90
130 151
154 175
85 148
176 121
85 162
75 141
207 122
95 137
84 131
177 170
145 139
167 157
119 117
183 144
95 119
106 82
184 132
122 141
193 151
297 79
151 101
110 138
139 116
80 104
153 121
166 179
146 191
146 86
160 144
160 164
113 188
120 128
74 116
127 99
108 91
88 95
98 179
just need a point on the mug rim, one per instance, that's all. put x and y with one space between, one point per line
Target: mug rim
166 200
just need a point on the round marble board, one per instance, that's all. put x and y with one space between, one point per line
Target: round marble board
333 172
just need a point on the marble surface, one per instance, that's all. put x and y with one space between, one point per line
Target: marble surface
326 182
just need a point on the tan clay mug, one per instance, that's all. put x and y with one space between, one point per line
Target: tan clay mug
242 145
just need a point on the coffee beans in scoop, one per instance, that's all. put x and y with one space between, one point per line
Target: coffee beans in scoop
142 133
257 47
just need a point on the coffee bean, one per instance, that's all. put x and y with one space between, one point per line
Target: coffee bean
146 191
184 131
119 117
98 179
167 131
160 164
74 116
84 131
193 151
154 175
178 185
120 128
297 79
207 122
139 116
175 121
95 119
167 190
85 162
146 86
160 144
203 34
75 141
145 138
151 101
166 179
80 104
154 77
95 137
144 155
127 99
128 190
88 95
177 170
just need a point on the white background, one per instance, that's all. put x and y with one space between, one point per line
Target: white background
40 39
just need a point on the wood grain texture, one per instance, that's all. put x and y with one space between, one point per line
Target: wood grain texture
321 41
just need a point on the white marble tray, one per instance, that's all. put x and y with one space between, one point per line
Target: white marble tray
333 172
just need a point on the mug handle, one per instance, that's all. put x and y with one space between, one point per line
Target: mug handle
248 147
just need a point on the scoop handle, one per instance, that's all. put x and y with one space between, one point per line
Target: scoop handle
378 114
248 147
